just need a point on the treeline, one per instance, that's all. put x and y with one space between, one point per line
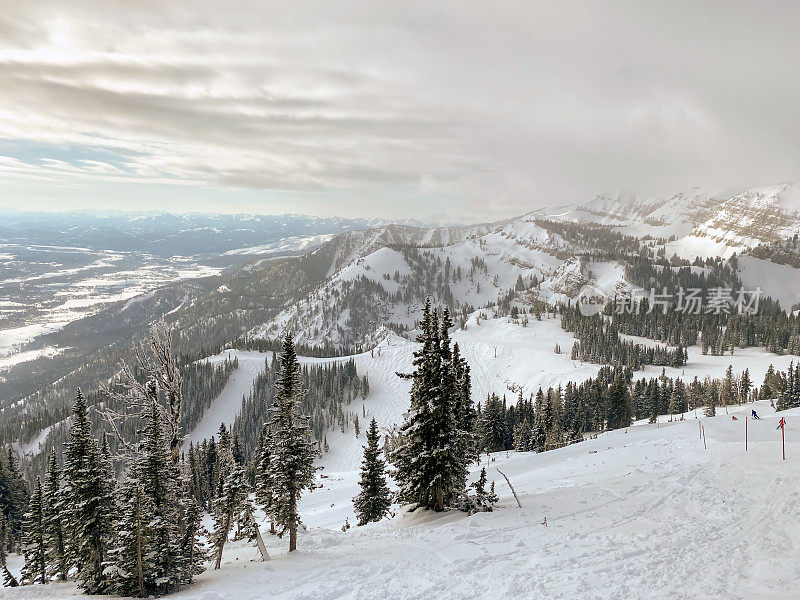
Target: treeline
566 415
324 350
599 342
557 417
602 240
677 319
785 386
782 252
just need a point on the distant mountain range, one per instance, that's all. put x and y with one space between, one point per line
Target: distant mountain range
348 282
165 234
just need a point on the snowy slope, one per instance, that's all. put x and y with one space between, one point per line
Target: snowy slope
646 512
758 215
702 224
505 358
638 216
387 284
781 282
228 404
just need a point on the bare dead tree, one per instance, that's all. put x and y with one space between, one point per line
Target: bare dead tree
158 371
513 491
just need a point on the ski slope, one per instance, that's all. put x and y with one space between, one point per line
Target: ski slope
504 358
644 512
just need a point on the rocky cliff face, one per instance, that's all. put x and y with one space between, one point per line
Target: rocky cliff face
701 224
759 215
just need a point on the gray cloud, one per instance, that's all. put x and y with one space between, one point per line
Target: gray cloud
390 109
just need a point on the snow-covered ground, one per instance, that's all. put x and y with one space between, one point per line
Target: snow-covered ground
781 282
645 512
504 358
228 404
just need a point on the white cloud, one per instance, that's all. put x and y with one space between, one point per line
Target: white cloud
391 108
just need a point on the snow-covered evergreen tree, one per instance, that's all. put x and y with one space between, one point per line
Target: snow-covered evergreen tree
264 496
620 403
430 457
134 551
13 498
232 503
33 540
8 579
485 499
466 420
291 460
374 500
58 559
159 479
192 548
148 558
89 501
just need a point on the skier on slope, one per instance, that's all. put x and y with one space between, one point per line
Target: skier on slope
755 415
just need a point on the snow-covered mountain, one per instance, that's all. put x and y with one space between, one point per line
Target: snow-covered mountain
350 288
756 216
165 234
699 224
378 280
640 216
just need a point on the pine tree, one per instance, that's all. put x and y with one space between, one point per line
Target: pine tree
13 498
373 503
228 507
745 385
728 388
711 405
291 461
58 559
493 425
134 551
445 452
192 549
264 496
158 478
89 501
148 558
539 425
466 420
620 403
484 499
8 579
434 444
33 541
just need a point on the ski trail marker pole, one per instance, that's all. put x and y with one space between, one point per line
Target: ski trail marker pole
783 436
703 432
745 434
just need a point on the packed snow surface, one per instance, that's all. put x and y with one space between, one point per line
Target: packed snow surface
644 512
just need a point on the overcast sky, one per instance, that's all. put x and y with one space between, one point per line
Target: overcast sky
455 111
